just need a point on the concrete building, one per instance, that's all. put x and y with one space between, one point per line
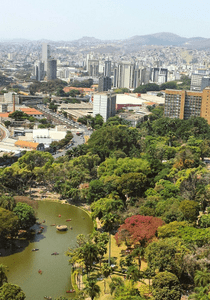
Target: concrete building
124 75
107 68
186 104
51 69
205 81
93 67
159 75
45 54
39 72
105 83
105 105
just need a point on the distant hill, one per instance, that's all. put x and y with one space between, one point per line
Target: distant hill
133 43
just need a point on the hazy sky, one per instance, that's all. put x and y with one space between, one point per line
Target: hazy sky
104 19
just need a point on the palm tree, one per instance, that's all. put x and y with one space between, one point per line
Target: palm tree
3 276
202 278
133 274
91 288
115 283
108 221
106 271
201 293
138 252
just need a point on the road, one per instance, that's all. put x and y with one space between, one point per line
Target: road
77 140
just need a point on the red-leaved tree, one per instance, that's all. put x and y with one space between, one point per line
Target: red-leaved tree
138 230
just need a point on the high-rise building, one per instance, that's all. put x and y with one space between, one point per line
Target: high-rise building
93 67
51 69
105 83
107 68
124 75
45 54
39 70
104 105
186 104
159 75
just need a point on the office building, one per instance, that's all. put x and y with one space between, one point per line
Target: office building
186 104
39 72
160 75
51 69
105 105
93 67
146 75
45 54
107 68
124 75
105 83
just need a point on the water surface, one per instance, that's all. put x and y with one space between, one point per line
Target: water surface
24 265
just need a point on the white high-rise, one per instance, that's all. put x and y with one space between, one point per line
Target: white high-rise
104 105
124 75
45 54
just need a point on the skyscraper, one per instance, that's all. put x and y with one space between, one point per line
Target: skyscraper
124 75
107 69
105 83
51 69
45 54
39 70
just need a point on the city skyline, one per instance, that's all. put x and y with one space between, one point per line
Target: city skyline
62 20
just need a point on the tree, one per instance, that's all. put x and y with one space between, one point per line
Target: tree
7 202
115 283
138 252
107 210
25 214
91 288
96 191
167 255
89 249
202 278
8 225
190 210
10 291
140 230
133 274
18 115
132 184
201 293
108 139
166 286
127 291
3 276
204 221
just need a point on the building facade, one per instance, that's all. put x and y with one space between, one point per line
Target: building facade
39 72
187 104
104 84
104 105
45 54
51 69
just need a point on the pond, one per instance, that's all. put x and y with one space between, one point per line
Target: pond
24 264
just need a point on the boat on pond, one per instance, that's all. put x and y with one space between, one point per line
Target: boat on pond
70 291
68 220
35 249
61 227
55 253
